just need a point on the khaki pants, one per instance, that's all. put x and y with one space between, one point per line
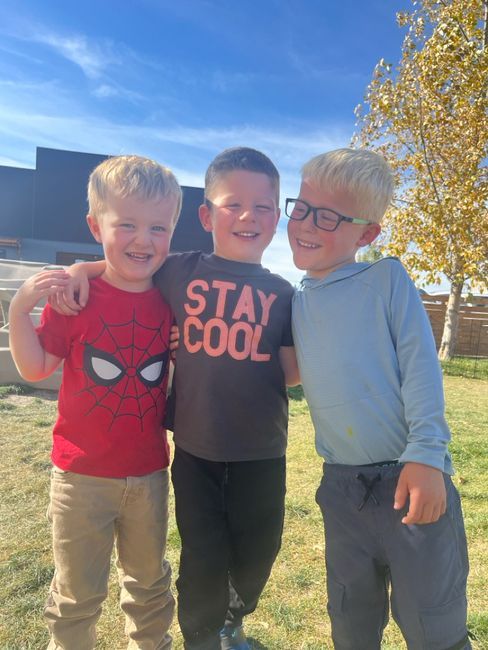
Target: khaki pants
88 514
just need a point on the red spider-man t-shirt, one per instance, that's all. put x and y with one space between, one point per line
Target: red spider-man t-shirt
113 392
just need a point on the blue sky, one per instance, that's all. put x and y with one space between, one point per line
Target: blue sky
179 81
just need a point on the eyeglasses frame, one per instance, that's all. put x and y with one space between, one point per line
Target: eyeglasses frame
314 210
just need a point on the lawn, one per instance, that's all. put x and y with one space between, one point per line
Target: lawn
471 367
291 614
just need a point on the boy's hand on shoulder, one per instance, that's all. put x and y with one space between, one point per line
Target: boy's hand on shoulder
70 299
424 487
41 285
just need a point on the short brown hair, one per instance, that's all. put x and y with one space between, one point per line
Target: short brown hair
241 158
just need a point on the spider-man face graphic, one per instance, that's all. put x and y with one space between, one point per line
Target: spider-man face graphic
125 369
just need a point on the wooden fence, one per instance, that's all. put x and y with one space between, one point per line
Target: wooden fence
472 338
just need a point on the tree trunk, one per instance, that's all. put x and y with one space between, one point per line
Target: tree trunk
449 335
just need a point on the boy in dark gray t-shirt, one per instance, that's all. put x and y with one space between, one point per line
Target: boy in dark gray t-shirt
234 360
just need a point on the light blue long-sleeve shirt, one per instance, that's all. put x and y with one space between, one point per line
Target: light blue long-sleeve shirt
369 367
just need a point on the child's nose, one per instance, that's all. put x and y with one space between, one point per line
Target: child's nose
143 236
247 215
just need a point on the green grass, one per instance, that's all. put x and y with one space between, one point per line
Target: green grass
292 611
15 389
471 367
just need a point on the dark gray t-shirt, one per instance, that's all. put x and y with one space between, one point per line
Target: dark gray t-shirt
233 318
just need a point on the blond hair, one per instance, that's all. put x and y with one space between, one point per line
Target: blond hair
125 176
362 173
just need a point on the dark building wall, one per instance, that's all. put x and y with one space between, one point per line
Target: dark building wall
16 195
189 233
49 205
60 185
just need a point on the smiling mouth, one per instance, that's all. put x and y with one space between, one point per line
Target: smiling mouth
306 244
139 257
246 235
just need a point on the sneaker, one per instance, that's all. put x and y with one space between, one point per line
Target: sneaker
233 638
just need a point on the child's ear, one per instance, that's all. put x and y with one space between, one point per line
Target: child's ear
369 234
94 227
205 216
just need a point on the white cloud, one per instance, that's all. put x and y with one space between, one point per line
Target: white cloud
91 57
112 91
13 162
54 118
98 59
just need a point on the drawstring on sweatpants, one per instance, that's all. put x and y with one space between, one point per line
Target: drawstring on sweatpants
368 489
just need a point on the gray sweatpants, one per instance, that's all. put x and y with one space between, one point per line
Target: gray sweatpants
369 551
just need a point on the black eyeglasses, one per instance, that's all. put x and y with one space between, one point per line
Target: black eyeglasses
323 218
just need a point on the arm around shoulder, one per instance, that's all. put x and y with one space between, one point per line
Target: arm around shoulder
74 296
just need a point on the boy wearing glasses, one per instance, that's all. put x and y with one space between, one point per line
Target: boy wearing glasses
372 381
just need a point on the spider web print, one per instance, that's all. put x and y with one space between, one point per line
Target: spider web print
132 346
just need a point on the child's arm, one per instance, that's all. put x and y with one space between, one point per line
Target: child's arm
31 360
425 457
288 360
424 486
64 301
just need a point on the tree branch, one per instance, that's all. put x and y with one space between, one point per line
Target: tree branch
460 27
426 158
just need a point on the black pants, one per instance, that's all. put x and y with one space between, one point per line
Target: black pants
230 520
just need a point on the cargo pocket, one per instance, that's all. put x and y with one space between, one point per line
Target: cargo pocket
346 633
445 626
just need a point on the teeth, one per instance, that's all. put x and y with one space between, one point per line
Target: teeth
138 256
306 244
246 234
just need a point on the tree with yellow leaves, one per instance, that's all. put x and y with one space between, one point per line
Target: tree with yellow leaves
429 118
